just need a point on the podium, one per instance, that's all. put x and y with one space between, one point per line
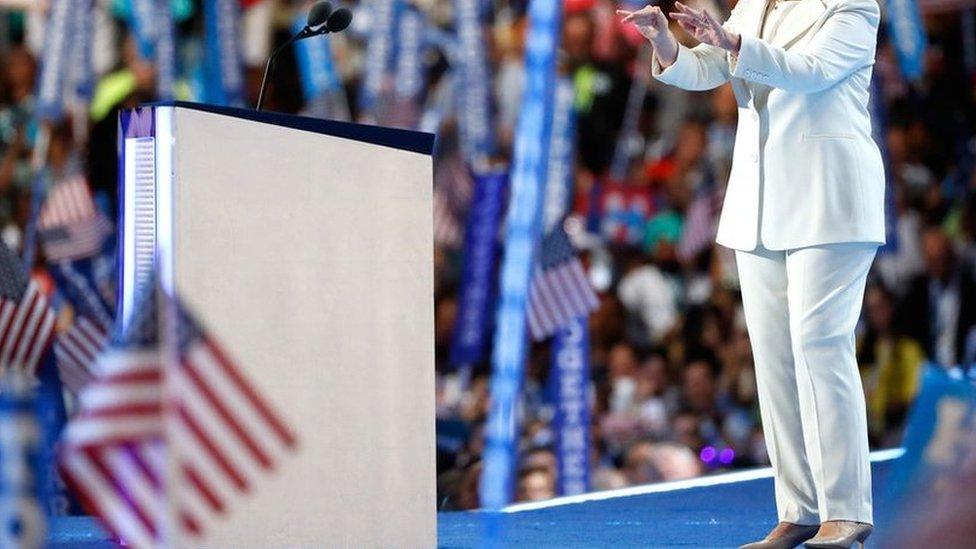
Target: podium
305 247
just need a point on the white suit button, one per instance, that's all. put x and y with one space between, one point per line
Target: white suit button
753 158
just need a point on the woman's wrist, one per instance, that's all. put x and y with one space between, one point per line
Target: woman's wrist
666 51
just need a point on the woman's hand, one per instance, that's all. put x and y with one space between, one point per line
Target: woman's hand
653 25
701 25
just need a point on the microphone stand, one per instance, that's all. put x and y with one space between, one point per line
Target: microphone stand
307 32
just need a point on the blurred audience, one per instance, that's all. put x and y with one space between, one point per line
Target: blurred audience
672 388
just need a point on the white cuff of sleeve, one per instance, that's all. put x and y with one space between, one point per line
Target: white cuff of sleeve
744 64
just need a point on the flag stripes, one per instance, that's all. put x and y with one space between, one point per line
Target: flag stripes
558 295
222 437
76 351
71 227
26 328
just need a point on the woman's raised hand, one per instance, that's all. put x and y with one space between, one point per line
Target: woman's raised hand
653 25
705 28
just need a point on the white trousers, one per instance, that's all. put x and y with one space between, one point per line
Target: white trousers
801 307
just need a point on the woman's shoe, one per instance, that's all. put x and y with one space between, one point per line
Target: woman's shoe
840 534
786 535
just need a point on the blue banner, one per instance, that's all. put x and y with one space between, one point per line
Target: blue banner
570 389
938 447
379 51
81 72
521 240
165 51
224 64
142 21
409 72
562 154
50 82
908 36
315 64
474 84
476 296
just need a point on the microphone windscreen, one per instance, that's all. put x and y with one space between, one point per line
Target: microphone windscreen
339 20
319 14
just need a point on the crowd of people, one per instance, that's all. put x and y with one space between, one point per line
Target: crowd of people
672 386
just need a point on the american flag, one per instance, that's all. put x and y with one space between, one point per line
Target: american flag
71 227
26 320
76 351
700 226
560 290
225 437
453 190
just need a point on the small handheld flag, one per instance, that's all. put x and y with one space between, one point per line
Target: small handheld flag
116 457
560 290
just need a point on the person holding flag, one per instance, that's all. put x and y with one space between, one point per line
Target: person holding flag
804 212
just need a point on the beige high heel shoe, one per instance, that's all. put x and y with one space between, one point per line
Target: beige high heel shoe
786 535
840 534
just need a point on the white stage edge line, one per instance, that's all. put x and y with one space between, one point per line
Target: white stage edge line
699 482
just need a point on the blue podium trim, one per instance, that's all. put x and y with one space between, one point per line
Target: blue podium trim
405 140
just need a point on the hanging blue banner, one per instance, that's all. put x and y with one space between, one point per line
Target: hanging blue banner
474 81
571 423
476 296
908 36
81 72
521 239
50 82
315 64
379 51
409 70
165 51
142 21
562 153
224 64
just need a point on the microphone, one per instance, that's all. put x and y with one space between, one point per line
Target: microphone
339 20
321 20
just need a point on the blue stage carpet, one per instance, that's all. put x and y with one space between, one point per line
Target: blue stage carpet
722 515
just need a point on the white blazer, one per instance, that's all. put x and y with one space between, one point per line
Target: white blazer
804 159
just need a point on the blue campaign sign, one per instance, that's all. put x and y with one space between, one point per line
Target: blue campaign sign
571 423
165 50
523 226
80 70
224 63
409 70
142 20
476 296
562 152
908 36
474 83
379 50
315 64
938 439
50 81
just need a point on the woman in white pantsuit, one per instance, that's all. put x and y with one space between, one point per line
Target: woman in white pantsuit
804 211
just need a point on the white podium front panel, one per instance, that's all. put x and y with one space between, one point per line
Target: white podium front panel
310 258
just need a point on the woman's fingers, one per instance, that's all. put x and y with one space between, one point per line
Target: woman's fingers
685 20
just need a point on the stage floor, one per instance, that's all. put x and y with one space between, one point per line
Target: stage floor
716 511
